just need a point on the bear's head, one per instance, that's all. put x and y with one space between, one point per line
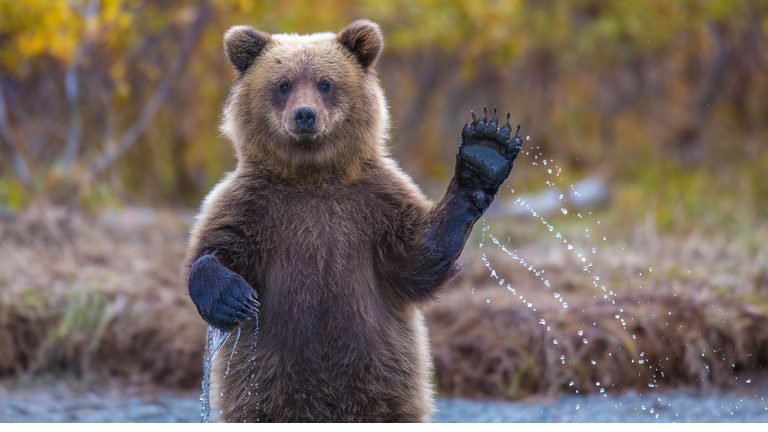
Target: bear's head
309 101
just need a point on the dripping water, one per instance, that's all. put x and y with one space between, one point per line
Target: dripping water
234 347
216 339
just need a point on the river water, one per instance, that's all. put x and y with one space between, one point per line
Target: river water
63 401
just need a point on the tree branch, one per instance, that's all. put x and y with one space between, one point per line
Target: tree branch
5 130
129 137
72 87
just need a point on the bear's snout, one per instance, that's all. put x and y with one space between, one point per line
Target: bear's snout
305 117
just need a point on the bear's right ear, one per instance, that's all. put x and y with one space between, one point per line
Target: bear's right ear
243 44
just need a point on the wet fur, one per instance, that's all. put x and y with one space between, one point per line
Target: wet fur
339 244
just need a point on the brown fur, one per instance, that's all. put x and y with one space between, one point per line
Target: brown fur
319 228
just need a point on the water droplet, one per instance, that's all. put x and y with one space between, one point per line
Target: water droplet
577 406
528 137
748 381
594 250
581 332
565 305
487 300
594 362
564 211
542 322
570 247
585 341
570 384
554 341
561 196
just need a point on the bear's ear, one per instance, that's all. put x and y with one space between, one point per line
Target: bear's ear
363 39
243 44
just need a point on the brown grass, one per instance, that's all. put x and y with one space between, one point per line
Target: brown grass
101 296
97 295
499 349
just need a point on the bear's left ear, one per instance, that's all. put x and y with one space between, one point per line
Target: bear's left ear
363 39
243 44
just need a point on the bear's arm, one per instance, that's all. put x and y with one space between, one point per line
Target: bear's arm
419 256
420 253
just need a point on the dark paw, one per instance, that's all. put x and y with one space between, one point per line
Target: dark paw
222 297
487 153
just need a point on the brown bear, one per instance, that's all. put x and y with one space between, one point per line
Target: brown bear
322 227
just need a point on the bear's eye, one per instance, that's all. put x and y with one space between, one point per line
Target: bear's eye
284 87
325 86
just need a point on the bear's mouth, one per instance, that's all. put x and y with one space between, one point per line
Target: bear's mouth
307 140
306 135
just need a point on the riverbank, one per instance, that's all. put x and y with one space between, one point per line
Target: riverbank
100 296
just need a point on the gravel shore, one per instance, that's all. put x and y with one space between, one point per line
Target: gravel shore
70 402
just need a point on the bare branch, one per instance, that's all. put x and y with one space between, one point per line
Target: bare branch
72 87
133 133
5 130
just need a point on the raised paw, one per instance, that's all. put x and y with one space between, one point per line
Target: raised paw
222 297
487 153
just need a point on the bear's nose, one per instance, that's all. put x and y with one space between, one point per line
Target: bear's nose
305 117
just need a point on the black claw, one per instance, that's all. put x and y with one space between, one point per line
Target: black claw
516 143
505 130
480 125
493 126
467 130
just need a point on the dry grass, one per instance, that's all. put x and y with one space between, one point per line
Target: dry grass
101 296
87 295
707 327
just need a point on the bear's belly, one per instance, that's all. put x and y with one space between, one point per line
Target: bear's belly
329 348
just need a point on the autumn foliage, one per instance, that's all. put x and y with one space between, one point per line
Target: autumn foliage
114 100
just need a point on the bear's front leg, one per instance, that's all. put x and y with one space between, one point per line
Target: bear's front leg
484 160
222 297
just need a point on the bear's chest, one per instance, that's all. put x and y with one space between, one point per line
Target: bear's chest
319 249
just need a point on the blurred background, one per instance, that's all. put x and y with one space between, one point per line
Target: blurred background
651 115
